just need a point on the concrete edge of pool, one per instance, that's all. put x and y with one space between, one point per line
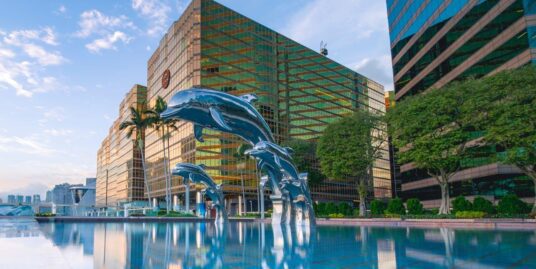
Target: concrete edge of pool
514 224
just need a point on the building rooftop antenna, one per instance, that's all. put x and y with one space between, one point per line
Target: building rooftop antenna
323 49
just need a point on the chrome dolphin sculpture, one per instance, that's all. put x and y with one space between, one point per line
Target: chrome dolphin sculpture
216 110
277 162
197 174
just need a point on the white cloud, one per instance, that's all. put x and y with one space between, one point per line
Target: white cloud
62 9
379 68
21 37
6 53
24 55
42 56
108 42
55 114
157 12
94 22
58 132
27 145
356 32
355 18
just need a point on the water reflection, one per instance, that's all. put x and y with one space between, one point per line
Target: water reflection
257 245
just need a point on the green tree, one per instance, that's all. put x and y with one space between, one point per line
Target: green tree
305 159
483 205
461 204
136 125
414 206
348 148
504 105
511 204
377 207
395 206
164 129
429 131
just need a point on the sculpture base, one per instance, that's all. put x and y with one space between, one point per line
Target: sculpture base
281 213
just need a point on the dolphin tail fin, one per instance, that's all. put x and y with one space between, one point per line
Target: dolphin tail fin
250 97
218 118
198 132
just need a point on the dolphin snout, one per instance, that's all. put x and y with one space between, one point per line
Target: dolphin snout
168 112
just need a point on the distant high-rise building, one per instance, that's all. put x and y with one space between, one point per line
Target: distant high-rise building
1 201
28 199
37 199
20 199
11 199
119 169
48 197
437 42
63 198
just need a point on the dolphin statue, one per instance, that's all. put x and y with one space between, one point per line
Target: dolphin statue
216 110
273 155
197 174
277 162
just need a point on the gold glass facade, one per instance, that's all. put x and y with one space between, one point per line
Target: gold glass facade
119 169
300 91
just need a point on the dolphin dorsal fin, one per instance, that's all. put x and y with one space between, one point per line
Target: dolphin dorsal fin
203 166
290 151
250 97
198 133
218 118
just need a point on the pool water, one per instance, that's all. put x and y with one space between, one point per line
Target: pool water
27 244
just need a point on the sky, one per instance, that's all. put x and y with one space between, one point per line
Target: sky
66 65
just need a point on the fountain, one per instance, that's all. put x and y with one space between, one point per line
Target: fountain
211 109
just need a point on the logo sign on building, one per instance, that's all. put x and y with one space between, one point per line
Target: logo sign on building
166 77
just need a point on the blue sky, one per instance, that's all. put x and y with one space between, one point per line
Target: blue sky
66 65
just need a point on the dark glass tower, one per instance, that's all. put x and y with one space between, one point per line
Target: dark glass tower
434 42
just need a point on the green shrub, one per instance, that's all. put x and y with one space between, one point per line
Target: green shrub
414 206
355 212
461 204
336 215
137 215
432 211
331 208
396 206
48 215
345 209
481 204
470 214
391 215
511 204
377 207
320 209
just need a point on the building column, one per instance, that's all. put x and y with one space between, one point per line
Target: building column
240 209
175 203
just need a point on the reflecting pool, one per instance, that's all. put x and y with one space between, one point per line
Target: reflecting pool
27 244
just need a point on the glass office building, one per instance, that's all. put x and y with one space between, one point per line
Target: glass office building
435 42
119 169
300 91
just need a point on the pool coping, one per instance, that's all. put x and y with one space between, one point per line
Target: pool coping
383 222
510 224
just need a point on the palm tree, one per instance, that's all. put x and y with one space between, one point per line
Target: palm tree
163 128
137 123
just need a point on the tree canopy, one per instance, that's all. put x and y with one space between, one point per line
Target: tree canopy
348 148
305 158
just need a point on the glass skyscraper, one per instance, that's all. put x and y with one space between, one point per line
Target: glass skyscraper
434 42
119 169
300 92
